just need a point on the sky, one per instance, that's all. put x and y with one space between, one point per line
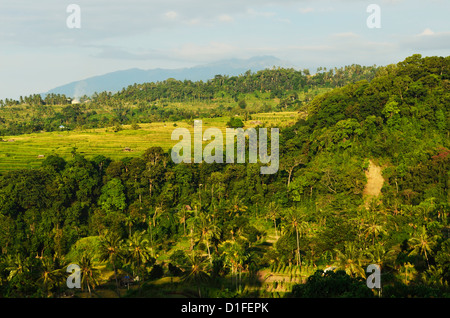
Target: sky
39 51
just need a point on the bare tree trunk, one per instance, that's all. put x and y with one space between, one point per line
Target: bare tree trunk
299 261
115 277
89 289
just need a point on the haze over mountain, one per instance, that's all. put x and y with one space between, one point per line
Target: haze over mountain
115 81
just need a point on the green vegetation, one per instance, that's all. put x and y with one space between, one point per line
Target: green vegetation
139 225
172 100
29 150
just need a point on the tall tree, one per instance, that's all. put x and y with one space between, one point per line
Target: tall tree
350 260
110 249
422 243
273 212
295 223
51 273
89 273
196 271
139 252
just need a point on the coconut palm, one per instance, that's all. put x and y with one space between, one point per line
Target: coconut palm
51 274
435 276
380 255
296 224
158 210
182 215
422 243
235 257
129 221
208 232
152 222
273 213
193 224
373 228
89 273
16 266
138 251
237 206
110 249
196 271
350 260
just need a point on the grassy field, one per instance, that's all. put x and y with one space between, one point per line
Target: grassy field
28 151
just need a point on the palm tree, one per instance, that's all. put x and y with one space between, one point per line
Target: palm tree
373 228
51 274
435 276
424 210
152 222
237 206
129 221
192 226
350 260
158 210
139 251
110 248
208 231
89 273
196 271
235 257
296 223
380 255
182 217
422 243
273 213
17 266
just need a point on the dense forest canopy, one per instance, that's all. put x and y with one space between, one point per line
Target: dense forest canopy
314 209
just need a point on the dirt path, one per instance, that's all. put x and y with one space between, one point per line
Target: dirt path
374 182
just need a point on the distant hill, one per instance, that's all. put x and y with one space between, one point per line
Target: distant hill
115 81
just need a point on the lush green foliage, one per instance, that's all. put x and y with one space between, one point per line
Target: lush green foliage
332 285
267 90
208 223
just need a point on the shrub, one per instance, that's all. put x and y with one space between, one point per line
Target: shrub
332 285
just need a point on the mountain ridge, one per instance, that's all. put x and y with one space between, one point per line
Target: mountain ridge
117 80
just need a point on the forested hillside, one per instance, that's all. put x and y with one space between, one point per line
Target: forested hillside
217 229
263 91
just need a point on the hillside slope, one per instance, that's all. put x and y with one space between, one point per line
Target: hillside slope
229 222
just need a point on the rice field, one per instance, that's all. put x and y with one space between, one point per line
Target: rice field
27 151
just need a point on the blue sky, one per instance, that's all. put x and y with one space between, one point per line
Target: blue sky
39 52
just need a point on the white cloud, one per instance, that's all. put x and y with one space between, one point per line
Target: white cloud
158 33
306 10
427 40
171 14
426 32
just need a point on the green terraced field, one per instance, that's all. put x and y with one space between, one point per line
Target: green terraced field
23 151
